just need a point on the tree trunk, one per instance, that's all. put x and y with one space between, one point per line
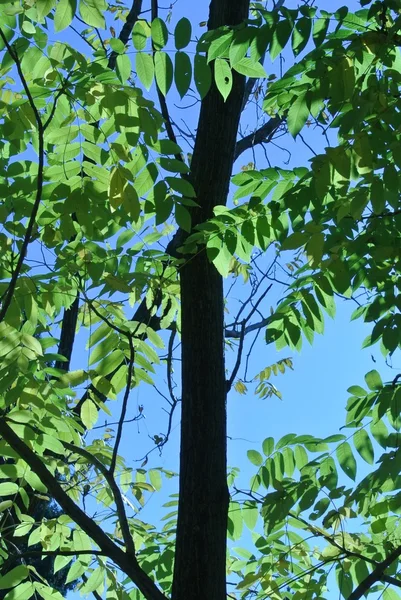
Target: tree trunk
200 559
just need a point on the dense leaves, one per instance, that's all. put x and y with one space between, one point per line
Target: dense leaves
93 188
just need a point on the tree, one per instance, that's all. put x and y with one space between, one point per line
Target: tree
94 182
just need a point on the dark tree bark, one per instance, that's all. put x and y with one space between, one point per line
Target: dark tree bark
200 559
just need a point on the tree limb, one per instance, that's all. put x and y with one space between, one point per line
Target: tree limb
261 135
126 562
376 575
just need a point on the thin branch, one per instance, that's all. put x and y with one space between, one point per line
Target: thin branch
169 367
137 418
391 580
239 357
124 406
126 562
6 300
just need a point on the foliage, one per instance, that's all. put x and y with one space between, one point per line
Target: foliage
93 186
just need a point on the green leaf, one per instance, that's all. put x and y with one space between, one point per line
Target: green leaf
182 73
202 75
234 520
182 186
182 33
91 12
364 446
268 446
110 363
29 28
183 217
89 413
123 67
14 577
65 12
117 45
250 514
163 71
34 481
346 460
373 380
43 8
21 592
255 457
320 28
145 68
240 45
155 479
48 593
249 68
159 33
281 36
141 34
94 582
223 77
219 46
8 488
390 594
301 34
297 115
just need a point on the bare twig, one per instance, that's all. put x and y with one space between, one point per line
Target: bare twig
169 367
239 357
124 405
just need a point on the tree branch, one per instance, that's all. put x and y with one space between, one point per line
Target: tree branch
126 562
376 575
6 300
127 537
239 356
261 135
124 406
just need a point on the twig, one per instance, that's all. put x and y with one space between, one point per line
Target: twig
127 537
169 367
239 356
124 405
